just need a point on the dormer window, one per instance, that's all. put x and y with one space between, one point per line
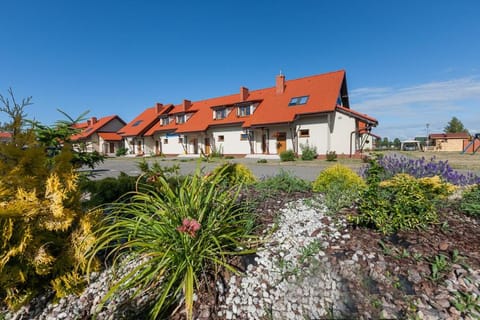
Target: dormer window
181 118
244 111
164 121
296 101
137 123
220 113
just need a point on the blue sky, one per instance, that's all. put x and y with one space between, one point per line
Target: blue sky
408 63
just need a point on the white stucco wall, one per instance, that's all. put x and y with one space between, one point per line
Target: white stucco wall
343 126
131 144
172 146
319 133
231 144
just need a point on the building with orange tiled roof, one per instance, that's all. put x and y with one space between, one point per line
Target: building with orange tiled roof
449 141
99 135
5 137
133 132
312 111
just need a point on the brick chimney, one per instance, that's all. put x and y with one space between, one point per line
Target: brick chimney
280 84
243 93
158 107
186 104
91 121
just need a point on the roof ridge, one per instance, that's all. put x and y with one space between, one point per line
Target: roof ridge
266 88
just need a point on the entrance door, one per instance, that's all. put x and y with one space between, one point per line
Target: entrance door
281 142
157 147
264 143
139 147
111 147
207 145
195 146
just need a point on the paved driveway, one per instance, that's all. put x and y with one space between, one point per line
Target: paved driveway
307 170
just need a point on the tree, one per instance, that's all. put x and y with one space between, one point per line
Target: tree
52 138
385 142
455 126
16 111
397 143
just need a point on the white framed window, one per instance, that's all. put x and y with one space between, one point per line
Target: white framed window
165 141
220 114
221 138
180 118
180 140
165 121
244 111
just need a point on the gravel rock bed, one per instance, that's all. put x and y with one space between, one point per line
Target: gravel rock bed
291 277
315 265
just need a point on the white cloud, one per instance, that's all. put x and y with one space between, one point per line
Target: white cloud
404 112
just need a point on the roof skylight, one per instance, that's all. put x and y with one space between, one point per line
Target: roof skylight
295 101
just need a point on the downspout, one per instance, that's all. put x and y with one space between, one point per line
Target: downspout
294 140
368 129
351 134
268 141
329 131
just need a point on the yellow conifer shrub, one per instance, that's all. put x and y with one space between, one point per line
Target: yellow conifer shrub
43 229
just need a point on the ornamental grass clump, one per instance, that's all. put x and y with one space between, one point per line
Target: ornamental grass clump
185 232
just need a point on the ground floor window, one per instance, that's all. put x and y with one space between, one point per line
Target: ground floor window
221 138
304 133
165 141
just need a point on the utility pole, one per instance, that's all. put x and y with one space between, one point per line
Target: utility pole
428 125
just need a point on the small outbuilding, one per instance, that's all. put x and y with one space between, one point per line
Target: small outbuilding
410 145
449 141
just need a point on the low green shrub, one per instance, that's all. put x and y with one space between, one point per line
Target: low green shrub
235 173
287 155
121 151
186 232
262 161
308 152
340 175
470 203
108 189
401 203
341 186
331 156
283 181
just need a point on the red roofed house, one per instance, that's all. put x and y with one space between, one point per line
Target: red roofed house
449 141
5 137
313 110
100 135
133 133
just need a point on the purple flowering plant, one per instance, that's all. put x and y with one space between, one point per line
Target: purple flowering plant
420 168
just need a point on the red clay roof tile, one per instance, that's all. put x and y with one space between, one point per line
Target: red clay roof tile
322 90
91 126
110 136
